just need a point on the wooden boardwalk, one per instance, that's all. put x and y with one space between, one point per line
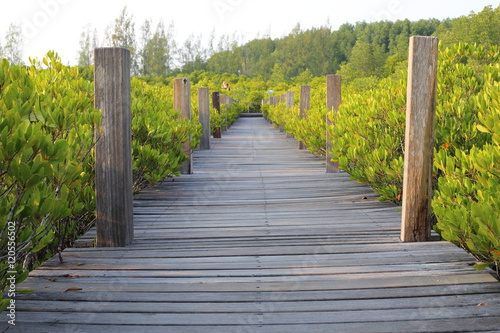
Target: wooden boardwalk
261 239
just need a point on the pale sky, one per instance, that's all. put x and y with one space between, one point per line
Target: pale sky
57 24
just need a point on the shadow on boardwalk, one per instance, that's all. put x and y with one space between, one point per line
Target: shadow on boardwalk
261 239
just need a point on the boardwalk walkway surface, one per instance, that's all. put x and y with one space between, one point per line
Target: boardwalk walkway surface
260 239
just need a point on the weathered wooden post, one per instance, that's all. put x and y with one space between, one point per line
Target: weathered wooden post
223 102
305 104
289 99
204 115
182 103
274 100
419 139
333 99
289 104
282 100
113 164
216 105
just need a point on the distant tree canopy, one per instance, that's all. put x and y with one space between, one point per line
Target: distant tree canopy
482 28
354 50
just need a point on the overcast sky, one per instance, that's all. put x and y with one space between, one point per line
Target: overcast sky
57 24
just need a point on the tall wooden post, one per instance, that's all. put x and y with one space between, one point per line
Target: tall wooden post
282 100
204 115
216 105
182 103
333 99
224 101
289 99
305 104
419 140
289 104
113 178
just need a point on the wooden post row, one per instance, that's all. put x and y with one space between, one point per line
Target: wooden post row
113 183
419 139
182 103
216 105
333 99
204 115
305 104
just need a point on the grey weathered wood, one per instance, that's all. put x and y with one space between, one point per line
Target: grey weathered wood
182 103
274 100
289 99
333 100
224 100
204 115
216 105
289 104
115 225
305 104
261 239
419 139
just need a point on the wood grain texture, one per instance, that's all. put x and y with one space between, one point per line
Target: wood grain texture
182 103
419 139
305 104
216 105
261 239
289 99
113 148
204 116
333 100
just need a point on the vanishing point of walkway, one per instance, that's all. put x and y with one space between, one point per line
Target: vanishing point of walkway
261 239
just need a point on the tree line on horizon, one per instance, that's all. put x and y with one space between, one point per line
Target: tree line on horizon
354 50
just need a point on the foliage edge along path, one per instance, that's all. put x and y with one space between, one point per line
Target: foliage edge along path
47 124
367 138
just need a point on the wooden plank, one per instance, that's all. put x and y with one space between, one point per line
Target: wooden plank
345 295
235 284
262 315
483 325
277 305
